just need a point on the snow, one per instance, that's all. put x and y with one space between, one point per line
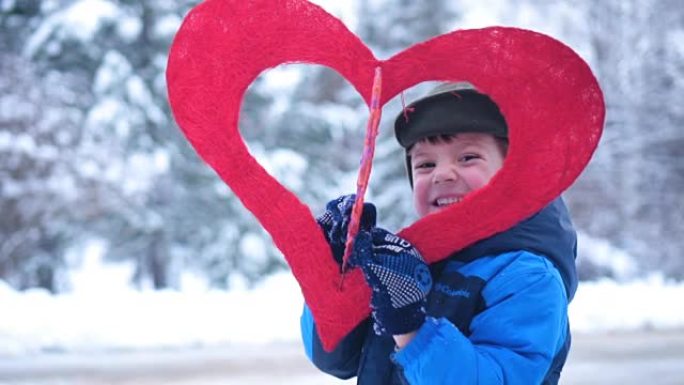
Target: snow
601 253
129 28
106 110
253 247
285 165
114 68
283 77
167 26
343 10
85 16
649 303
103 312
6 5
556 19
80 20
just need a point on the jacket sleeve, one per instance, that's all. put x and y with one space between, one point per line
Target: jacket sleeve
513 341
343 361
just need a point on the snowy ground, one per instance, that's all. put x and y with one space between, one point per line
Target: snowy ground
625 358
102 313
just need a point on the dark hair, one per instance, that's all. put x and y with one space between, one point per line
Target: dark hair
447 138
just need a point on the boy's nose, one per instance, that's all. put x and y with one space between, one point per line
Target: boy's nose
444 173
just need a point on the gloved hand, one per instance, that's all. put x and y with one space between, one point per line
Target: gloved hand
399 278
335 222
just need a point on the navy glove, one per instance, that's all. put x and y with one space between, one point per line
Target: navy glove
335 222
399 278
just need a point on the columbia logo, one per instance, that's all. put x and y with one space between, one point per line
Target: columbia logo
450 291
397 240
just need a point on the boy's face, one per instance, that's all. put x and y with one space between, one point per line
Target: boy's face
446 171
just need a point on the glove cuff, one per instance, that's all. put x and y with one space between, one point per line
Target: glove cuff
391 321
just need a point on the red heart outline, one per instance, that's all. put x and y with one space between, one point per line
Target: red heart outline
223 45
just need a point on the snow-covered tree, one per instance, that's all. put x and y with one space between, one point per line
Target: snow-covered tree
39 196
88 146
149 194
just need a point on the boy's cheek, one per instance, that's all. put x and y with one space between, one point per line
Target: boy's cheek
419 195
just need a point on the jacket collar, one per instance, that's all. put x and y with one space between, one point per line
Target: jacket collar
549 233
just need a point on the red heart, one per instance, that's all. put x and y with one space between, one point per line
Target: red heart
551 100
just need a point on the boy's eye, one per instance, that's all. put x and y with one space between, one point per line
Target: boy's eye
469 157
420 165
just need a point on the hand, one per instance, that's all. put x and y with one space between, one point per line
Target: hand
399 278
335 222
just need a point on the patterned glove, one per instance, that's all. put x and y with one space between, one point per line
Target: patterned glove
399 278
335 222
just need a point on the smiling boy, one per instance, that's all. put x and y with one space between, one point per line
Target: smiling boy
446 169
492 313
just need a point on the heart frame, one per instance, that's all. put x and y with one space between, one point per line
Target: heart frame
551 101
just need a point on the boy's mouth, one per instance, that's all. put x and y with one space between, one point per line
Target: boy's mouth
443 202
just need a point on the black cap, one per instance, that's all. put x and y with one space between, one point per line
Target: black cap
451 108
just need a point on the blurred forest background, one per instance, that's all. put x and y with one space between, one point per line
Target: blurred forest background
89 149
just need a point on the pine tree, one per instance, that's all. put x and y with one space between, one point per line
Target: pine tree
38 197
642 161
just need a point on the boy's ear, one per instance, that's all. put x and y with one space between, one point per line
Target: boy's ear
502 143
409 170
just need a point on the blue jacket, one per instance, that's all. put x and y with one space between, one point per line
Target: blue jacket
497 314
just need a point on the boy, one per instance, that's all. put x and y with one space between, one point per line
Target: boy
492 313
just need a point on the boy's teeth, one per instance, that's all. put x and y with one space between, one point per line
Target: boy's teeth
447 201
